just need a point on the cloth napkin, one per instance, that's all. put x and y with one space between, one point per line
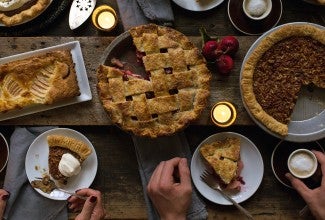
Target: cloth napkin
24 202
137 12
150 152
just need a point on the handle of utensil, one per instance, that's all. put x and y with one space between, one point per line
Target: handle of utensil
73 194
242 209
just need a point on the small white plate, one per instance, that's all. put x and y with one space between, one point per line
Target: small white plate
198 5
252 172
308 116
36 163
85 92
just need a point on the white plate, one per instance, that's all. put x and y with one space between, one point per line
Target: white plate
25 21
198 5
85 92
308 117
252 172
36 163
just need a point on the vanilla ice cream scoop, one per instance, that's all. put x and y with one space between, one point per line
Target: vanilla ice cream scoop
69 165
8 5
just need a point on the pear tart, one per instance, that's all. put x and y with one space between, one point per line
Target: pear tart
173 93
272 76
59 145
14 12
43 79
223 157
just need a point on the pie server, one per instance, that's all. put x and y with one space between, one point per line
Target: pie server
80 11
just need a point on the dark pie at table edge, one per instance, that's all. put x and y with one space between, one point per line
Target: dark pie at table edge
248 82
176 89
59 145
26 12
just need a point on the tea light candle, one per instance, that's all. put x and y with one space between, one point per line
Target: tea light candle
104 18
223 114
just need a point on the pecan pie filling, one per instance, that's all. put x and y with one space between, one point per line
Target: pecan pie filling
281 72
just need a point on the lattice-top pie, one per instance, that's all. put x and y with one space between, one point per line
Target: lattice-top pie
13 12
60 145
223 157
174 92
42 79
284 61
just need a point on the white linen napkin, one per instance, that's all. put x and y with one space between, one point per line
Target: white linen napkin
24 202
137 12
149 154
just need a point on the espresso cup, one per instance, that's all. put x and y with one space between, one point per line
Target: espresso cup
4 152
302 163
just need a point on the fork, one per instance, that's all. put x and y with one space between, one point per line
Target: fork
211 182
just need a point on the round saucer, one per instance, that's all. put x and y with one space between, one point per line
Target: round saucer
251 27
279 158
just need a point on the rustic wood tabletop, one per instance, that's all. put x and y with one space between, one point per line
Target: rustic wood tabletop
117 176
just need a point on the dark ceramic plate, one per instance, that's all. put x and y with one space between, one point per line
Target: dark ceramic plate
251 27
279 162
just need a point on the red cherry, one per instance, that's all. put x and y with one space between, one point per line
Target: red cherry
209 50
229 45
225 64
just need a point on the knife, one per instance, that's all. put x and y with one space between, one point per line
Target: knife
80 11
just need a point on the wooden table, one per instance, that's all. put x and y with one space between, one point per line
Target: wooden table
117 175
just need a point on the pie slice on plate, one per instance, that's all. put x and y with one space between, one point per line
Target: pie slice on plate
66 156
223 157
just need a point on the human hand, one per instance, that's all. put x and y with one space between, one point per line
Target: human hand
170 197
91 209
4 195
315 198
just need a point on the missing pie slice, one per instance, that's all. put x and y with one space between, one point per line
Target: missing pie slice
223 157
66 156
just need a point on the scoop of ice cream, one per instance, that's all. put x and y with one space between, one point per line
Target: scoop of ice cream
256 7
9 5
69 165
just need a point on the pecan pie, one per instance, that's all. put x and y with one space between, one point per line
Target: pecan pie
58 147
14 12
42 79
223 157
284 61
174 92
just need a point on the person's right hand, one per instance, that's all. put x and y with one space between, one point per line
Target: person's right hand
4 195
91 209
315 198
171 197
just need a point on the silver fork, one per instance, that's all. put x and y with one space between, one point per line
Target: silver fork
211 182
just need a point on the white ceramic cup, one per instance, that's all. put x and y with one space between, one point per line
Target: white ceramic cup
4 151
302 163
260 17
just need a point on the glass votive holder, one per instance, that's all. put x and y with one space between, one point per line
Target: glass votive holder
104 18
223 114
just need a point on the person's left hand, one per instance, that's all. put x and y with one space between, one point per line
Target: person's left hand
91 209
4 195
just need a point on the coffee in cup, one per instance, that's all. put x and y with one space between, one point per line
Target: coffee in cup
302 163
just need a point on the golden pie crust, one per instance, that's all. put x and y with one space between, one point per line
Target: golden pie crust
59 145
42 79
11 19
175 93
223 156
283 80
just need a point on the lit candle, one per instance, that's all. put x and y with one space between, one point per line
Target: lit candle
104 18
223 114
